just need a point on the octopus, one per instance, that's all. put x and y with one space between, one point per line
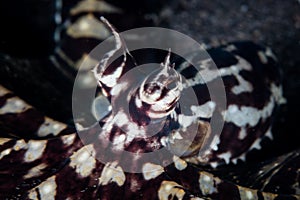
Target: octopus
43 158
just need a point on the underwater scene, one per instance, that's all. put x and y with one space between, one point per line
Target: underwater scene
149 99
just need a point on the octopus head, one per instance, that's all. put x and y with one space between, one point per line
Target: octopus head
161 90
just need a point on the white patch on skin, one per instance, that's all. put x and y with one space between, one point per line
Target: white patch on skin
177 136
169 190
213 164
207 184
233 109
164 141
94 6
269 134
206 75
173 115
196 198
35 171
201 77
3 91
256 144
20 144
118 88
47 189
215 142
242 133
231 48
243 64
158 112
244 86
32 195
84 160
110 80
179 163
35 150
138 102
174 136
226 156
79 127
118 142
262 57
234 161
4 140
119 139
135 131
151 171
164 103
14 105
68 139
50 127
88 26
205 111
243 157
4 153
247 115
183 66
248 194
270 53
186 121
277 93
112 173
107 126
121 120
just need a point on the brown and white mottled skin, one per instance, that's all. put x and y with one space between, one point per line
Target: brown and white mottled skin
61 167
41 158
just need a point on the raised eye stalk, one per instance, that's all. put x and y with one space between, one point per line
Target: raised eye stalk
161 90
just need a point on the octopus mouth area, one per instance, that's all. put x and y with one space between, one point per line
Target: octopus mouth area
147 115
143 113
136 131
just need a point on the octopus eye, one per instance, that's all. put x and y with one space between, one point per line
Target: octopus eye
152 92
152 88
161 90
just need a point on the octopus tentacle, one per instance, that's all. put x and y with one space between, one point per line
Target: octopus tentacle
19 119
41 158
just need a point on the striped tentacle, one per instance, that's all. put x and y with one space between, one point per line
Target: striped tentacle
19 119
206 185
253 93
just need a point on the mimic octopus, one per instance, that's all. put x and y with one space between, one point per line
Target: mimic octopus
42 158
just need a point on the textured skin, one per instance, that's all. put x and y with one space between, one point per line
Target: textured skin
41 158
58 169
253 92
31 177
